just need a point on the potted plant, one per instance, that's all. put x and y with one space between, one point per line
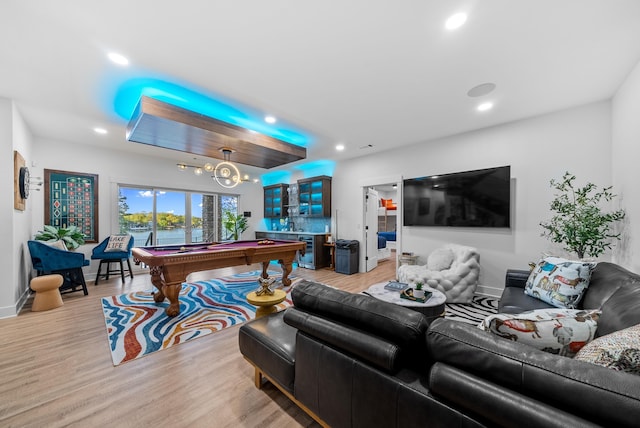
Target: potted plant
71 236
418 292
235 224
580 224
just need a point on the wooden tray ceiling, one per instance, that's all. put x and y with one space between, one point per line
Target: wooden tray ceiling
164 125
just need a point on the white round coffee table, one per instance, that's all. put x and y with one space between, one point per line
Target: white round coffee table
432 308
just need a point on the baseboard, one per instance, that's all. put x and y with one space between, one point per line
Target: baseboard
12 311
23 299
487 291
8 312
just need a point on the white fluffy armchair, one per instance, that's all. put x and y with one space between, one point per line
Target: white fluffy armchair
452 269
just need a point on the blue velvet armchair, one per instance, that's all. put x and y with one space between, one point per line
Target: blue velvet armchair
108 257
47 260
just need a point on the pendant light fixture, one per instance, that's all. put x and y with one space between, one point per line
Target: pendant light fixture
225 173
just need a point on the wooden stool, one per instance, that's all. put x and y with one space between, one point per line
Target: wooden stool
47 292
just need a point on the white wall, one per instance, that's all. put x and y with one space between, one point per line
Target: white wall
113 168
7 286
14 224
538 149
626 173
22 142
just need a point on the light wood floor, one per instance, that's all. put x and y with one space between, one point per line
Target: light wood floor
56 368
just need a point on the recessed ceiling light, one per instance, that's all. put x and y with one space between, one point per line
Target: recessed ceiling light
270 119
456 21
481 89
118 59
340 147
99 130
484 107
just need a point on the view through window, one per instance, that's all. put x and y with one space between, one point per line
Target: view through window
168 217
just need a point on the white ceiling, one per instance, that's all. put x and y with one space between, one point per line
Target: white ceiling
357 72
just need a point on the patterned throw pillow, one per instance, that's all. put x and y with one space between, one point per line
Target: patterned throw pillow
618 351
559 282
117 243
558 331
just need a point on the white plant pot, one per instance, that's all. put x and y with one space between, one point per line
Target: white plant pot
418 294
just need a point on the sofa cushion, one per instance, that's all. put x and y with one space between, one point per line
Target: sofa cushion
440 259
619 350
516 278
620 310
559 282
514 301
402 325
606 279
392 323
374 350
558 331
576 387
496 404
270 344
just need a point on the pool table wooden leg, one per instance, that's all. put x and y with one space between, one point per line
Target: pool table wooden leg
172 292
287 267
158 282
265 267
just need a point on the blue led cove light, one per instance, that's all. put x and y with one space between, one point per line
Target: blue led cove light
128 95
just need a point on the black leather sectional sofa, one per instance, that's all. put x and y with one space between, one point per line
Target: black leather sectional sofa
350 360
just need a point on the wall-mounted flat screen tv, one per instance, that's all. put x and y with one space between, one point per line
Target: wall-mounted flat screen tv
479 198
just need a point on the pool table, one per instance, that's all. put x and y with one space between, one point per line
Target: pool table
169 265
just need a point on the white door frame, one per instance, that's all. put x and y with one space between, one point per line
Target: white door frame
372 201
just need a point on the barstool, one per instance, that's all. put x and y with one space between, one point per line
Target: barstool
47 292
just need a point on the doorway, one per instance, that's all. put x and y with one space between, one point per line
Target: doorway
386 221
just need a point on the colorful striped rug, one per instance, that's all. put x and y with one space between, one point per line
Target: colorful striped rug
137 325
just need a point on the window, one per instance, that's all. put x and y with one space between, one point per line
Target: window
228 204
164 217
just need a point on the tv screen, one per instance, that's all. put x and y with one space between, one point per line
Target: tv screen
479 198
